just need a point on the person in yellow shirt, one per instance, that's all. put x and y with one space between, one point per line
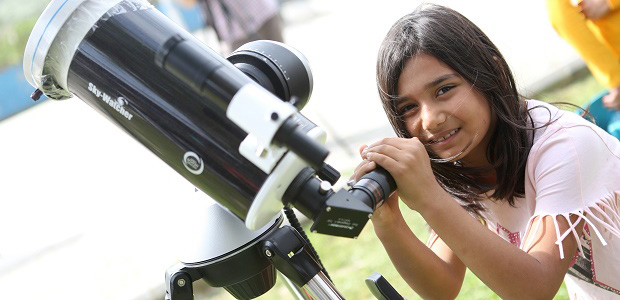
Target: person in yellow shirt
592 27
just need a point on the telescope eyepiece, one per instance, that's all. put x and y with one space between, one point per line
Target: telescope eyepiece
378 185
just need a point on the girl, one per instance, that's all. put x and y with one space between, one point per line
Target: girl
473 155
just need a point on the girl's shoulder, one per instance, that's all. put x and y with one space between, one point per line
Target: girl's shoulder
571 156
563 128
573 168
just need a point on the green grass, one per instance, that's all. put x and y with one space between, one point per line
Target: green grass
578 90
349 261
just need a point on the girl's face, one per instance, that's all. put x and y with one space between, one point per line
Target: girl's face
444 111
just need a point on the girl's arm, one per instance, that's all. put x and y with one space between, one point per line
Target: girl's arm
506 269
509 271
434 273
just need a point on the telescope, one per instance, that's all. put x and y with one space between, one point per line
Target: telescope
230 126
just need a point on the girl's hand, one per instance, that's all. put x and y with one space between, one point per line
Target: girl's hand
594 9
407 161
387 215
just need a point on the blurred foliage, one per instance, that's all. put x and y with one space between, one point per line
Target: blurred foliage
17 18
13 39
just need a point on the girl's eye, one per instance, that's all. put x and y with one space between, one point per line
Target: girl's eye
444 89
406 108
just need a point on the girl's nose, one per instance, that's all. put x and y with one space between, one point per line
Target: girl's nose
432 116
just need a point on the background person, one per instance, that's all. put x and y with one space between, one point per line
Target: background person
237 22
592 27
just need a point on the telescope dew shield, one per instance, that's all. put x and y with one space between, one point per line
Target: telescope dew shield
280 69
104 51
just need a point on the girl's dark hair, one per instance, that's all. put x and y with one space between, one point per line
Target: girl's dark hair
454 40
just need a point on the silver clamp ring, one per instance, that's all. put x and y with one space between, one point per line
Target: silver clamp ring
351 183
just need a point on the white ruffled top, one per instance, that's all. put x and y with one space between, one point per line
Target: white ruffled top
573 169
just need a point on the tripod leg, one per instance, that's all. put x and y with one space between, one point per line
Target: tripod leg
299 293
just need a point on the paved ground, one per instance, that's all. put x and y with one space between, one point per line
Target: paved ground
88 213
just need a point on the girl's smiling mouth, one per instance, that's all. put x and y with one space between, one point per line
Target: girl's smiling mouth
444 139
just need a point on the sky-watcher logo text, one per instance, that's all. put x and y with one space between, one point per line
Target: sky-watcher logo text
117 104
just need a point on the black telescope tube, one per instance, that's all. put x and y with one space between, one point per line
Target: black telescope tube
374 187
202 69
217 79
114 71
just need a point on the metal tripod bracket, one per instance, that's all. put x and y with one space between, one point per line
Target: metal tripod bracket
289 252
179 281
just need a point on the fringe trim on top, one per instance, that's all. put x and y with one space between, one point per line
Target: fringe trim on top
608 218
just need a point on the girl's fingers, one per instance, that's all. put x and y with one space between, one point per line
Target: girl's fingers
362 153
363 168
369 166
386 149
361 165
387 141
399 143
357 169
387 162
362 147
